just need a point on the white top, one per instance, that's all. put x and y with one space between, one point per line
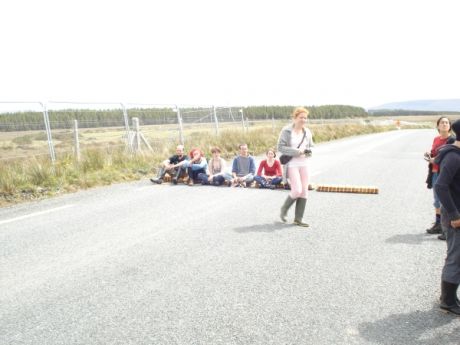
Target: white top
295 141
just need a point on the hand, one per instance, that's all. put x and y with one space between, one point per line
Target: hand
426 156
455 223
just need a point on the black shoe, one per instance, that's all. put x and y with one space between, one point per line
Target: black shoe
454 309
442 237
456 301
156 180
435 229
174 180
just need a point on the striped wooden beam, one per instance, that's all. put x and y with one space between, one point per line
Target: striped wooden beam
346 189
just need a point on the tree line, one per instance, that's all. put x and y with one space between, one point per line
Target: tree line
90 118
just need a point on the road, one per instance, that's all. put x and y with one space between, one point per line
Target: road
137 263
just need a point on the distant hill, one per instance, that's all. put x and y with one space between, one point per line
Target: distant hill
422 105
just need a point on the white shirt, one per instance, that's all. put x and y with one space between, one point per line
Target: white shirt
295 141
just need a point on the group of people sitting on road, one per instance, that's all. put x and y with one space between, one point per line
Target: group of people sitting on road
294 144
196 169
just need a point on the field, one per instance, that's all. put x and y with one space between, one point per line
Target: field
21 144
26 171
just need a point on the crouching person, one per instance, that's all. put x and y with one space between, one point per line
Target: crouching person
269 174
174 166
196 166
243 168
216 174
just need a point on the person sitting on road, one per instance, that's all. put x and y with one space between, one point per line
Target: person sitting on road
173 166
243 168
196 166
216 174
269 174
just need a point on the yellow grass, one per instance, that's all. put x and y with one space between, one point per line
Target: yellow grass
104 158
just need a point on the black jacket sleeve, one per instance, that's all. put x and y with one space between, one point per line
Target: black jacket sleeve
448 175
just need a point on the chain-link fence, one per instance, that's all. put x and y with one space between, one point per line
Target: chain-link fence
23 131
59 129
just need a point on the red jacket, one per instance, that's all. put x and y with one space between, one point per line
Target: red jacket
438 142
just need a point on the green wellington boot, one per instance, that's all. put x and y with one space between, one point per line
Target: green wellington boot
285 208
299 211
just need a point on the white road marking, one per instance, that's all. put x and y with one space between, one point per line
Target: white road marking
34 214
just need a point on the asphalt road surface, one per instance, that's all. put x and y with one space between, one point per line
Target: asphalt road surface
138 263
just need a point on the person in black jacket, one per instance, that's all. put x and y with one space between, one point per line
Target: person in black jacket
175 166
447 188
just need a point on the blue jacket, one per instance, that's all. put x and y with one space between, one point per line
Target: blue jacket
198 166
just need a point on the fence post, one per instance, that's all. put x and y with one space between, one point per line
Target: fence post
179 121
215 120
242 118
125 117
48 132
76 141
137 136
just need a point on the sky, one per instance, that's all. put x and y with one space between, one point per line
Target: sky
229 53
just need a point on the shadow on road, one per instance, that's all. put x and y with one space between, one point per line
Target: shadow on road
411 238
416 328
270 227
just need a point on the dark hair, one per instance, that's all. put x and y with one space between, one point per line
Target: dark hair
456 129
272 150
439 120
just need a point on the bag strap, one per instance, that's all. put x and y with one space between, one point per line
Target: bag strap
303 138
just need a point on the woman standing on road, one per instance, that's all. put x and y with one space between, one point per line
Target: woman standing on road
443 126
295 140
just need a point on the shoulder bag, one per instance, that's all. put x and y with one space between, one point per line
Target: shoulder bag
284 159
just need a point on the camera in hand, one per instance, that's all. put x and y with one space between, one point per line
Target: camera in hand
427 156
307 152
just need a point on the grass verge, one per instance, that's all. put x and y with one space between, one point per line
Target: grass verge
37 178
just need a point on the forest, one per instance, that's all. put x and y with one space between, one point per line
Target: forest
94 118
91 118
